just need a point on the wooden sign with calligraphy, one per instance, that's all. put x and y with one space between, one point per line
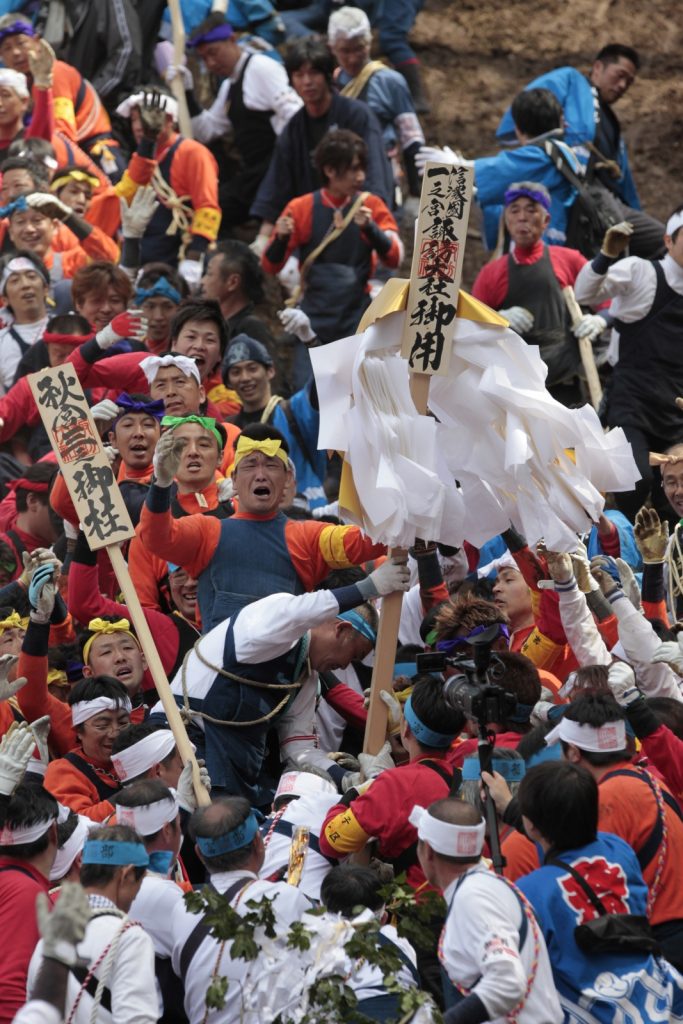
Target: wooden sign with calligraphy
437 267
86 469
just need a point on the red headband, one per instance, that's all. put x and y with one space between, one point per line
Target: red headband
52 338
28 485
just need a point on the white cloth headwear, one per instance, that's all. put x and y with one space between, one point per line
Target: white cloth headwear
151 365
24 833
139 757
67 854
446 838
674 222
82 710
16 266
506 561
608 737
149 818
136 99
303 783
349 23
14 80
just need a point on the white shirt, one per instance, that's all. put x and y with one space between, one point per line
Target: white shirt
311 810
10 351
481 950
631 284
265 87
131 980
154 907
288 904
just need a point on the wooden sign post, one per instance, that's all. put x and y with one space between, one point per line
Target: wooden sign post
427 345
103 516
176 85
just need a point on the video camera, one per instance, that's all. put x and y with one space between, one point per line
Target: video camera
475 689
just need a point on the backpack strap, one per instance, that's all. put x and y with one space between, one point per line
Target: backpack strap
202 931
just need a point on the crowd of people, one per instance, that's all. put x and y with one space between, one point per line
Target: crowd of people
179 235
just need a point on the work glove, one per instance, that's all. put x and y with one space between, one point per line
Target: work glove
591 326
49 206
185 791
652 536
629 583
520 319
7 688
179 70
392 575
33 560
296 322
41 729
63 924
105 411
226 489
41 61
152 112
344 760
136 217
600 566
42 592
191 270
622 682
167 456
585 580
616 239
394 712
560 566
16 748
539 712
439 155
131 324
372 765
670 652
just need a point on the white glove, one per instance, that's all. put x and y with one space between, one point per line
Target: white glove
136 217
112 454
372 765
590 326
173 70
629 583
63 924
539 712
296 322
131 324
105 411
70 531
520 319
621 680
185 791
226 489
7 689
192 271
391 576
259 245
50 205
167 456
394 712
439 155
41 729
671 653
16 748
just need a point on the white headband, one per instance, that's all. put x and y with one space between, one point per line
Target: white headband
16 266
152 364
149 818
611 736
82 710
167 103
67 854
506 561
301 784
24 833
446 838
14 80
139 757
674 222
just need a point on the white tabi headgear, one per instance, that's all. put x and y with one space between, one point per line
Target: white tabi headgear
82 710
17 836
674 222
607 738
67 853
151 365
302 783
149 818
139 757
446 838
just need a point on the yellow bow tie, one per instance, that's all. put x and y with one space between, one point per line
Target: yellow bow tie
270 447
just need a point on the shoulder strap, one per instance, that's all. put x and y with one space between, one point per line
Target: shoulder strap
355 86
89 983
384 940
23 345
592 896
653 841
452 779
202 931
16 541
104 791
270 408
16 867
286 828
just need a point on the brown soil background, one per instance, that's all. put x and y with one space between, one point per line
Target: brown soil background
477 54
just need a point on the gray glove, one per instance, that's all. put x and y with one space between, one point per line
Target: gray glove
167 456
519 318
16 748
390 576
344 760
185 791
33 560
7 689
590 326
63 926
372 765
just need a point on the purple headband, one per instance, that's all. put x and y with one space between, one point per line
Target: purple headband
128 405
538 197
214 35
448 645
16 28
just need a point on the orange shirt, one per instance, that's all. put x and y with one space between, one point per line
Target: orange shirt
78 109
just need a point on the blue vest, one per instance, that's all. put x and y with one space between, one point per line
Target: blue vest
251 561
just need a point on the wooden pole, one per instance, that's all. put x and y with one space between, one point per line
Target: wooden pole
176 85
585 349
142 631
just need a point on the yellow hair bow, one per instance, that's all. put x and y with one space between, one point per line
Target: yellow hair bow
100 627
13 621
57 677
74 175
270 446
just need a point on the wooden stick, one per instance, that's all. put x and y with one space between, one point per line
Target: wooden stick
585 349
176 85
149 649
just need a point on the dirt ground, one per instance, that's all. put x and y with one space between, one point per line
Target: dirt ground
478 53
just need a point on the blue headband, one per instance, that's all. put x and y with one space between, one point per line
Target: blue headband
237 839
512 770
160 287
528 193
98 851
422 733
16 204
360 625
127 404
448 645
17 28
214 35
